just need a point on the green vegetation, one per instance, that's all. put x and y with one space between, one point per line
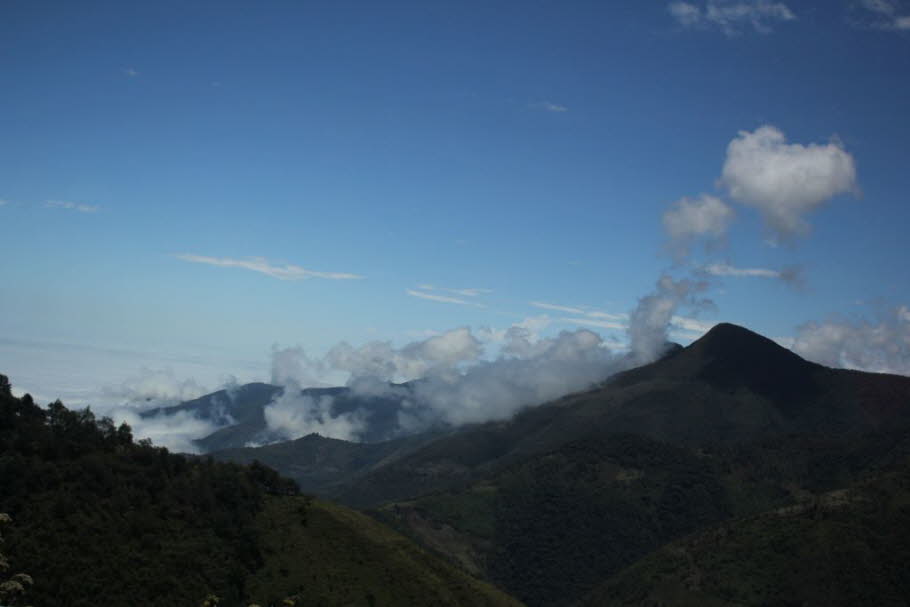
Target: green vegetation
342 557
12 587
847 547
104 521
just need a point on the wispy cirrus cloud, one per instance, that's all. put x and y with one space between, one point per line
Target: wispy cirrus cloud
262 265
886 14
73 206
792 275
556 307
460 292
730 16
549 106
423 294
594 322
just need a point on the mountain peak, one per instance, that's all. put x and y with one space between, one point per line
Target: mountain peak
731 357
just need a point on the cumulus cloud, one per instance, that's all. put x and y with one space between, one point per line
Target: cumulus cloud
785 181
881 346
154 387
652 317
689 219
73 206
259 264
731 17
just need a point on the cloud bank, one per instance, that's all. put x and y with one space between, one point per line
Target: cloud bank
454 380
881 346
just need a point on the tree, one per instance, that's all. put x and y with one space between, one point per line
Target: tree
12 589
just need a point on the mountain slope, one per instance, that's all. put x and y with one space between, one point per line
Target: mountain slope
102 521
241 411
337 556
845 547
720 389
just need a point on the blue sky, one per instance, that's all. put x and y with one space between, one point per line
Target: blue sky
186 184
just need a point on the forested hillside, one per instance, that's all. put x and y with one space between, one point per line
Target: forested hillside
100 520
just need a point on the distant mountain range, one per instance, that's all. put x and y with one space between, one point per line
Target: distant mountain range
241 411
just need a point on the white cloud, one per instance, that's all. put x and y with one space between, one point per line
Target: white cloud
689 219
458 382
551 107
791 275
785 181
887 14
292 415
731 16
723 269
882 346
441 298
693 325
259 264
592 322
557 308
130 72
656 312
461 292
75 206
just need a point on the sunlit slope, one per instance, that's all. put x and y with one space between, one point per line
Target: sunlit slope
327 554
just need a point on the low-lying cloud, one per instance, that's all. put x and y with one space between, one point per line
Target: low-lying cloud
456 381
881 346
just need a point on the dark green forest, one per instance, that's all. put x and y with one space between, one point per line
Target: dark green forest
99 519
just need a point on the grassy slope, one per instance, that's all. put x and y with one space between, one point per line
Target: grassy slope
332 555
846 547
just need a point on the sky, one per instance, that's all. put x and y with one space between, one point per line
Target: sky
189 188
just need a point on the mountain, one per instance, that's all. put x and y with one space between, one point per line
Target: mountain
100 520
241 412
722 388
325 466
563 496
845 547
